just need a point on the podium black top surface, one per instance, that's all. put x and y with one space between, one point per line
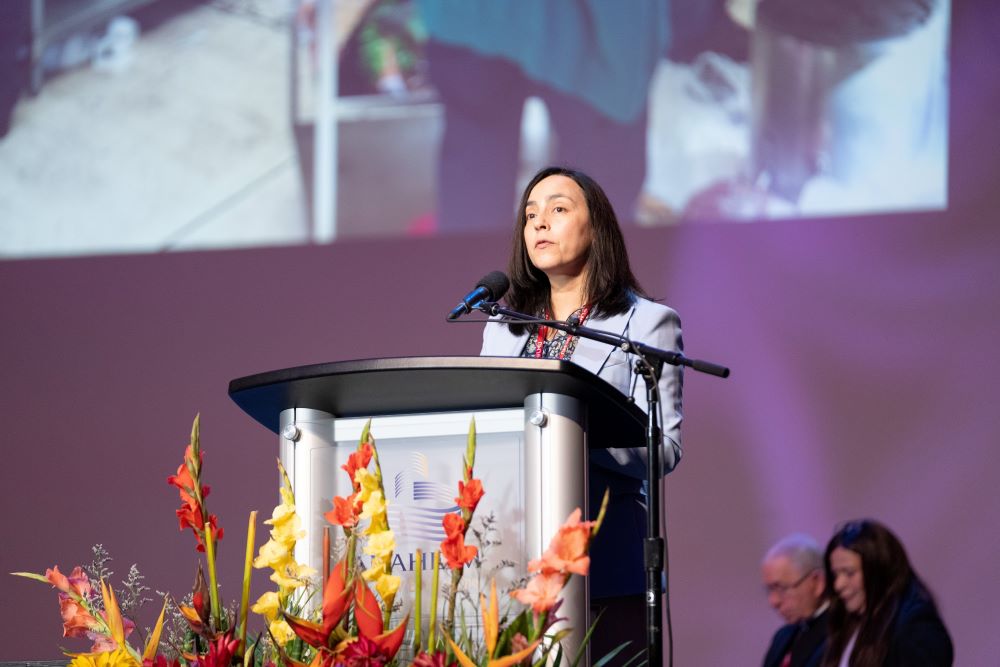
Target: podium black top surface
412 385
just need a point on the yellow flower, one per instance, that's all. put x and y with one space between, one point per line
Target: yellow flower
381 544
387 585
288 531
282 632
120 657
368 483
272 554
267 605
374 506
375 571
291 575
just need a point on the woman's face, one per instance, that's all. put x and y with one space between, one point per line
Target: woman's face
848 579
557 233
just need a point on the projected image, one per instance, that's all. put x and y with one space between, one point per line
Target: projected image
149 125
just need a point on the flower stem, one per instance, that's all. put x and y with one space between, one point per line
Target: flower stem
434 601
418 593
247 570
213 583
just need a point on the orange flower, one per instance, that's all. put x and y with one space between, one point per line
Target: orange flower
344 512
469 495
191 514
455 551
77 621
358 459
542 591
567 552
453 524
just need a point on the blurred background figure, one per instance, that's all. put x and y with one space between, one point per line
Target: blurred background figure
792 571
589 61
15 47
882 613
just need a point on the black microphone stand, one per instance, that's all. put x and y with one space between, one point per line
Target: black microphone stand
649 366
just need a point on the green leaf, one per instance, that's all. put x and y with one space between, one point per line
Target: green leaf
32 575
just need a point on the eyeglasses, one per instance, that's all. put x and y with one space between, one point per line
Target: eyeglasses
782 589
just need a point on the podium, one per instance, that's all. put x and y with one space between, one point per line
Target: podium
535 420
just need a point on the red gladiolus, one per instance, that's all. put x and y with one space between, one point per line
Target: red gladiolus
469 495
344 512
191 513
358 459
456 553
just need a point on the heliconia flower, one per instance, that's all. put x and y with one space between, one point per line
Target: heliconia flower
567 552
456 553
358 460
220 652
491 618
505 661
469 494
542 592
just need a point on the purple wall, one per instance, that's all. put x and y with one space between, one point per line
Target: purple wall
864 363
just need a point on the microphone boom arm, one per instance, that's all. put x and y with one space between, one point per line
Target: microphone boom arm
640 349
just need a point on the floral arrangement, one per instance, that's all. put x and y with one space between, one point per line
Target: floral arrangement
343 616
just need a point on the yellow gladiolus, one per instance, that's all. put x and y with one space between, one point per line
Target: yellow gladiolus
267 605
387 585
272 554
368 483
281 631
381 544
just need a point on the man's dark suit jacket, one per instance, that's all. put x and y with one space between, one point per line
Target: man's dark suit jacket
806 641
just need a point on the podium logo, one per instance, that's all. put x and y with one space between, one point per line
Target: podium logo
419 501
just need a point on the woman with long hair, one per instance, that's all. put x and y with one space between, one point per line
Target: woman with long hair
568 262
882 613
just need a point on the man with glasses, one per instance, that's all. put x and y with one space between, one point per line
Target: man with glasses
795 585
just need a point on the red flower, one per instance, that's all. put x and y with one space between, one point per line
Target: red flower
456 553
344 512
358 459
363 653
469 495
191 513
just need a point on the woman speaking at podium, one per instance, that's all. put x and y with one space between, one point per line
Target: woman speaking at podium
568 262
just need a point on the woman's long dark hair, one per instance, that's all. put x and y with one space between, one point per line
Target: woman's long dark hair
611 286
887 576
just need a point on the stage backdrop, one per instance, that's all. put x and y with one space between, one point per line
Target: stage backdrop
864 365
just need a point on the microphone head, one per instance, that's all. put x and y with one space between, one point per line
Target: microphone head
496 283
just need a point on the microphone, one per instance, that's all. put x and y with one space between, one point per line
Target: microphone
490 287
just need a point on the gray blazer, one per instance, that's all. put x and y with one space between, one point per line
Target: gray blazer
646 322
